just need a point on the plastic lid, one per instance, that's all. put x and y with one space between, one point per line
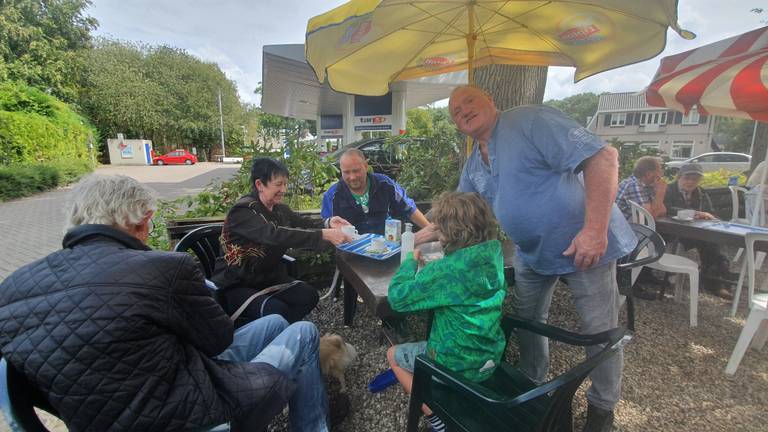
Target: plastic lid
409 227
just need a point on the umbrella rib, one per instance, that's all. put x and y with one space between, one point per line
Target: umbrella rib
431 15
391 32
405 65
639 18
484 32
533 31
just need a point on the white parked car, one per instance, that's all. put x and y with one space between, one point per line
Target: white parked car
728 161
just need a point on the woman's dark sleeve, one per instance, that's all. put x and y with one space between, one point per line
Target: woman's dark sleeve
247 223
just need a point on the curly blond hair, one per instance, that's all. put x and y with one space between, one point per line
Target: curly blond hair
463 220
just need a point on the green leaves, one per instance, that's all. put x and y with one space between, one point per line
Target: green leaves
160 93
430 153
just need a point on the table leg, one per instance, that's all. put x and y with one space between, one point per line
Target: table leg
350 303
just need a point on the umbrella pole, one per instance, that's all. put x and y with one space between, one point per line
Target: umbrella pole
471 38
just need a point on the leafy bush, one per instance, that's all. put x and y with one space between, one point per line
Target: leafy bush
37 128
628 154
22 180
431 155
720 178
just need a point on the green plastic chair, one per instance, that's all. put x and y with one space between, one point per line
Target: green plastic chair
509 400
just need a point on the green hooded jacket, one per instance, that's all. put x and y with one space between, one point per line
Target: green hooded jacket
466 289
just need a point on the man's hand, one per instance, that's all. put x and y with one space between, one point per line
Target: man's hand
337 222
704 215
587 248
335 236
425 235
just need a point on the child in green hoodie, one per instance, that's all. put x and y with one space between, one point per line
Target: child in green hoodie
466 289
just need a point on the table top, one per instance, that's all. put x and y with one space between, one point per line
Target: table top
371 277
719 232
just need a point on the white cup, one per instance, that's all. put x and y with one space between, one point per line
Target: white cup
349 230
686 214
378 244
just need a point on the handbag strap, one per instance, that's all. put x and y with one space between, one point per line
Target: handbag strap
265 291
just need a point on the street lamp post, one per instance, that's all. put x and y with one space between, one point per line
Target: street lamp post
245 134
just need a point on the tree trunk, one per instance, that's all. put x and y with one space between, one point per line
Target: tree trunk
512 85
761 141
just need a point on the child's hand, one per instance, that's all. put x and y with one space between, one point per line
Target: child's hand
417 257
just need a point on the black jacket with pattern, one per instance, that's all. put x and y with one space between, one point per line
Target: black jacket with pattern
120 337
254 240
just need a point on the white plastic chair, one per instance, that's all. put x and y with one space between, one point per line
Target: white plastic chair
754 261
755 328
735 190
672 263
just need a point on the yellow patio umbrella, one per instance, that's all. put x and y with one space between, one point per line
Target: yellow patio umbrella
363 45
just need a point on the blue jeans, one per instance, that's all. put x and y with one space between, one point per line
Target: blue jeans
292 349
596 297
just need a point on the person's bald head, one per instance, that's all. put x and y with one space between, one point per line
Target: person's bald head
473 111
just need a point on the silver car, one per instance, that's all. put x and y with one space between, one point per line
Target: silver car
738 162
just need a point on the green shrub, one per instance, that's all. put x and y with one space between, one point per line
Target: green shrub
17 181
38 128
720 178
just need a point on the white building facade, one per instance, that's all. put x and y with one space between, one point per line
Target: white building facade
628 118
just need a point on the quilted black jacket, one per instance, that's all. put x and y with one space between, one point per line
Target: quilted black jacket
120 337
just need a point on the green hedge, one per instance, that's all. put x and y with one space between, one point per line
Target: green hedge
23 180
38 128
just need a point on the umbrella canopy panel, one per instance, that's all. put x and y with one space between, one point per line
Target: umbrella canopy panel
364 45
726 78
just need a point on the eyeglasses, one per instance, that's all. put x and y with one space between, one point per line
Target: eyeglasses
365 208
150 226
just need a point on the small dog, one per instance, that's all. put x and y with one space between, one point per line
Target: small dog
335 356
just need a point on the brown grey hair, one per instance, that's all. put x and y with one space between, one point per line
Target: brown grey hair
645 165
463 220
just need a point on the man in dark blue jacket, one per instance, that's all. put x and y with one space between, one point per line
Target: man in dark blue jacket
367 200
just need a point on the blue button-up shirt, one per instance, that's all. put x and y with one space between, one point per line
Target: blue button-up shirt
534 185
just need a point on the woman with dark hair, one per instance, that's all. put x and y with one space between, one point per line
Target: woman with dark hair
257 231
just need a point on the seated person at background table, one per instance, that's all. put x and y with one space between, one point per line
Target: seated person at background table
645 186
119 337
685 193
257 231
466 290
365 199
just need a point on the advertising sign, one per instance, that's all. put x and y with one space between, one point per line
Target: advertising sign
331 126
126 150
373 112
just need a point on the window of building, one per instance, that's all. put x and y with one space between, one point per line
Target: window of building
681 150
618 120
692 118
653 118
650 145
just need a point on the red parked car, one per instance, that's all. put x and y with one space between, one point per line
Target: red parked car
175 157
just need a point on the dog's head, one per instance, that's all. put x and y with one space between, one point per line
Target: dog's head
332 346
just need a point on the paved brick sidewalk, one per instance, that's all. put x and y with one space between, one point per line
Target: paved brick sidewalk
33 227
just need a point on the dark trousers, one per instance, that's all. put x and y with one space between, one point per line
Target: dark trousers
293 303
712 261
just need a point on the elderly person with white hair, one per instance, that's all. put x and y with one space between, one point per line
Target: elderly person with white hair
118 337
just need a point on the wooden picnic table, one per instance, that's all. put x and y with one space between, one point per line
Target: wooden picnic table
369 278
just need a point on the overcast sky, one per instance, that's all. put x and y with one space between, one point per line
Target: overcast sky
233 32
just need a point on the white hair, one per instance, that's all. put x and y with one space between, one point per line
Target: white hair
114 200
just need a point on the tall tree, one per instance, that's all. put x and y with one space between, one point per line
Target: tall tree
40 42
579 107
160 93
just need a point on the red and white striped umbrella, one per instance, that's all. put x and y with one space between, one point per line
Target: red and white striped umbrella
726 78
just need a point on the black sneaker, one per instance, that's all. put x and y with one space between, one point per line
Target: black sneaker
598 420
